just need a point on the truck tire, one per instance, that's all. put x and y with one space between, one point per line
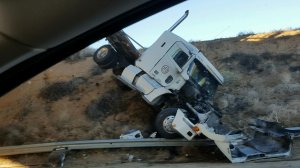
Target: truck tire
163 123
106 57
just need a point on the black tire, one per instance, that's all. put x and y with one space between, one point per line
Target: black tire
110 65
164 116
106 57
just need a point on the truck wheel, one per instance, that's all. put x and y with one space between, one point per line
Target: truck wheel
106 57
163 123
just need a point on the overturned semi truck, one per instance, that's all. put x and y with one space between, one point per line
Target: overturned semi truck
176 78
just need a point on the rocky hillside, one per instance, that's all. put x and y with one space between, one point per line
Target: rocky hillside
77 100
262 76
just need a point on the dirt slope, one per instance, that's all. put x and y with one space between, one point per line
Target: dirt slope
262 76
68 102
77 100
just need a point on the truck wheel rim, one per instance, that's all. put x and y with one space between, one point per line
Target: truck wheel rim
167 124
102 53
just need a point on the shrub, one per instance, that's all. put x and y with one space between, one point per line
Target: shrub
240 34
106 104
247 61
58 90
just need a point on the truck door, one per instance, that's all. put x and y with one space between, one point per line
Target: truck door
168 70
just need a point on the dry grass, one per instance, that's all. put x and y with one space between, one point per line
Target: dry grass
58 90
267 36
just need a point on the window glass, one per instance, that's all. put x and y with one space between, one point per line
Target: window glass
203 78
179 56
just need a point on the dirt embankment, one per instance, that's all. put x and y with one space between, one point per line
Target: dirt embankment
71 101
77 100
262 77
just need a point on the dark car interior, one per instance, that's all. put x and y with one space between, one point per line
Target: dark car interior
35 35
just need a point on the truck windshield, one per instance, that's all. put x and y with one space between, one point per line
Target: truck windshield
202 77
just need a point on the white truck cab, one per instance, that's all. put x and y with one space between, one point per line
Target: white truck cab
167 65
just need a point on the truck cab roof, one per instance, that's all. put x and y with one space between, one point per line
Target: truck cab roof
152 56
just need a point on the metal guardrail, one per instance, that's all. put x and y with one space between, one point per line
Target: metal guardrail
98 144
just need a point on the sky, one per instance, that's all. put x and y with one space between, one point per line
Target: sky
213 19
